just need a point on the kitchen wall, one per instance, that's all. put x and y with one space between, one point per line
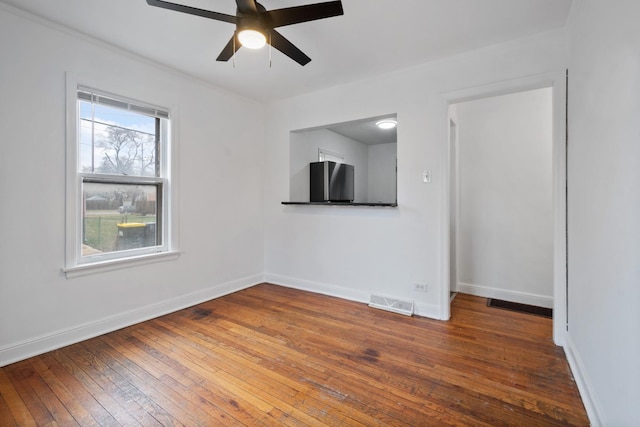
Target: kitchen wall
218 171
505 204
304 150
374 165
603 341
382 165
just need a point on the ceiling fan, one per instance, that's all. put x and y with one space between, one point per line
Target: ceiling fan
255 26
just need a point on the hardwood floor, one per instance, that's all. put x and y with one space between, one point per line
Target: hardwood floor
276 356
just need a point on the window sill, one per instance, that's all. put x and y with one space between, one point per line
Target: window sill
118 264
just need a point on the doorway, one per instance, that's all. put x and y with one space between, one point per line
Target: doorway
456 251
501 196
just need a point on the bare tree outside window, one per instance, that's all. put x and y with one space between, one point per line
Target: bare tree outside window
127 152
116 141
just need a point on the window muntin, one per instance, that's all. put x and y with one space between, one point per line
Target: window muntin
122 178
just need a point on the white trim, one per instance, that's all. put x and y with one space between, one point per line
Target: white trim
75 265
318 287
559 166
444 243
456 213
555 80
506 295
420 309
72 214
171 215
587 392
427 310
57 339
117 264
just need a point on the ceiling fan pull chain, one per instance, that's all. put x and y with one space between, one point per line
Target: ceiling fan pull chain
270 47
234 49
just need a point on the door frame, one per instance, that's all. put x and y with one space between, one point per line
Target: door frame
454 193
555 80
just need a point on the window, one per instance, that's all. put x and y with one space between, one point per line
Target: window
118 199
328 155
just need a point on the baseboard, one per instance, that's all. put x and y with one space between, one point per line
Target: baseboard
317 287
596 417
506 295
427 310
420 309
52 341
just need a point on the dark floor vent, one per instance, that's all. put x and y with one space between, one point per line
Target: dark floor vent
522 308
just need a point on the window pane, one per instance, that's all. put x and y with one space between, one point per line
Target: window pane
116 141
118 217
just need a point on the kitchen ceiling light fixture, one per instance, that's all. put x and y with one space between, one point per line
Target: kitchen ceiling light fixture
387 124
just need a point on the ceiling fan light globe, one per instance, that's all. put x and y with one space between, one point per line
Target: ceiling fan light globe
252 39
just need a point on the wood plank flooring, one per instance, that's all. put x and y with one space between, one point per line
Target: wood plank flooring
274 356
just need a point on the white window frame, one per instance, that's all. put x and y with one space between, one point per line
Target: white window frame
75 263
330 156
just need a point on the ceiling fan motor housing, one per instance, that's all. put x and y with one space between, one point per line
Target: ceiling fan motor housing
251 23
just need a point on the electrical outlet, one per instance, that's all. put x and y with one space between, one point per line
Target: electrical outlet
420 287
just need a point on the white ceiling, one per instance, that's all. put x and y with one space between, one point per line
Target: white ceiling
373 37
366 131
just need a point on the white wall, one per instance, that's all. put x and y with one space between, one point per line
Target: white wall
604 208
352 252
505 211
382 165
304 150
220 211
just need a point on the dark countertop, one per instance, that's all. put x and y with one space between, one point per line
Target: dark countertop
382 205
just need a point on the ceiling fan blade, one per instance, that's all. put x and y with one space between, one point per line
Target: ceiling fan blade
247 7
305 13
278 41
192 11
230 49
